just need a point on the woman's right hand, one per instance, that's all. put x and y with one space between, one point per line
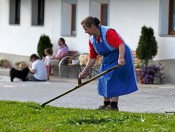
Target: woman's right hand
83 74
85 71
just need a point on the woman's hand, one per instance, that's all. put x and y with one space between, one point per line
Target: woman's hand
83 74
85 71
121 61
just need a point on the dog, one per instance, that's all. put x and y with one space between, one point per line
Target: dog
22 74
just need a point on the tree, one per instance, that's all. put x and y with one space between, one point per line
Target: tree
147 46
44 42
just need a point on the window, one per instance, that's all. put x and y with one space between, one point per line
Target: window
37 12
104 14
172 17
15 11
100 9
68 17
73 20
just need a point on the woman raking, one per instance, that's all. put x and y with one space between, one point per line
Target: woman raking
106 42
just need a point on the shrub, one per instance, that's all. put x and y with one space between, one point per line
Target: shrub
147 47
44 42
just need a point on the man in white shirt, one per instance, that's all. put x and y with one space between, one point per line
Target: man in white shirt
38 69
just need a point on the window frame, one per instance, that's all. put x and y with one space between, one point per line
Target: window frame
38 13
69 18
171 12
73 19
41 4
104 7
15 12
101 10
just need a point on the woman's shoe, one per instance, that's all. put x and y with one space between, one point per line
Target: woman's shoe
102 107
111 108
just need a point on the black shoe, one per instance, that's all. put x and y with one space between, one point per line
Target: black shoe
103 107
111 108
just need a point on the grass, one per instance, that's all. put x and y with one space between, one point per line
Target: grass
17 116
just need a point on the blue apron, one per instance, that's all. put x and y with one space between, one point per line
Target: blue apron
117 82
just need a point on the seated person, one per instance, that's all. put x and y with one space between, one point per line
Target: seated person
61 52
38 69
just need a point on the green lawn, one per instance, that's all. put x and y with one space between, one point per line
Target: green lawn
17 116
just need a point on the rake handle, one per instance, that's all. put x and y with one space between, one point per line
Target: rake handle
80 84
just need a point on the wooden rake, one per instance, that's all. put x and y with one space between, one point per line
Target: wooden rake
80 84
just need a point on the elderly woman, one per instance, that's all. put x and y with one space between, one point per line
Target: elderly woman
106 41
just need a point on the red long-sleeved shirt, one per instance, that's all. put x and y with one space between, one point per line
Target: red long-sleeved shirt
112 38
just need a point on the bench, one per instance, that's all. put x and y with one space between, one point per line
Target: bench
67 62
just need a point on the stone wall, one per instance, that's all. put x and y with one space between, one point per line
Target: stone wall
169 70
14 58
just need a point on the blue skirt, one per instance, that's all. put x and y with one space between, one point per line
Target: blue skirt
120 81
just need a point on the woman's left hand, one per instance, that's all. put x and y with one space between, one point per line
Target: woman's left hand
121 61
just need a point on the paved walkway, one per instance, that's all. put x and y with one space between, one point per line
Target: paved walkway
149 98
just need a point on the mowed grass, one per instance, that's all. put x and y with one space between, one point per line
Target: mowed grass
17 116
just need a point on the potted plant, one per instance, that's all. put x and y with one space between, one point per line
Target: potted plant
0 63
147 50
4 63
44 42
138 67
152 72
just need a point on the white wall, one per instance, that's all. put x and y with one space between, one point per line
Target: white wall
80 42
52 20
130 15
95 9
23 39
163 17
4 11
66 19
126 16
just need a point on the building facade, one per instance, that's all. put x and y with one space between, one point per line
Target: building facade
22 22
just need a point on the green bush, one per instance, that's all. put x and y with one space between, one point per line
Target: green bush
44 42
147 47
